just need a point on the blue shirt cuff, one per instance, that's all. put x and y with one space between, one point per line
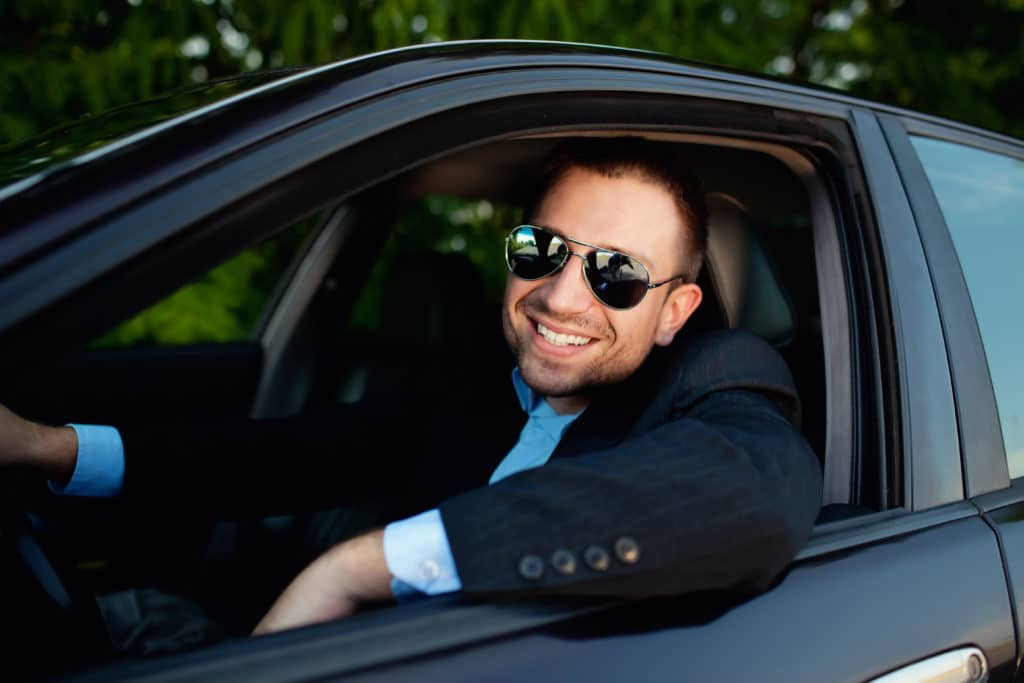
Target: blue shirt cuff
99 468
419 557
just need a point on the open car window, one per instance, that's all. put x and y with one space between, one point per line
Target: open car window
225 305
760 276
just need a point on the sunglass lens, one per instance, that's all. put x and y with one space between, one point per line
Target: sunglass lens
533 253
616 279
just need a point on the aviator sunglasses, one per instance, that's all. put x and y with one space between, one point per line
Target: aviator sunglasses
617 280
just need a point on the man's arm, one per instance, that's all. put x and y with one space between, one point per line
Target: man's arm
722 526
228 467
720 495
722 498
348 575
51 452
413 551
260 467
352 573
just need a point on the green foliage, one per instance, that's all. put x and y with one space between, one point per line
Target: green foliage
63 59
222 306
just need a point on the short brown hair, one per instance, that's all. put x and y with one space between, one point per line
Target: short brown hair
659 163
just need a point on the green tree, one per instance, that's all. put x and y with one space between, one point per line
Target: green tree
63 59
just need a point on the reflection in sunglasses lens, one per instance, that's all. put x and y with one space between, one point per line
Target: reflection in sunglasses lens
616 293
534 254
616 279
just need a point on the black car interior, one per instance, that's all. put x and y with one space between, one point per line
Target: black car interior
759 272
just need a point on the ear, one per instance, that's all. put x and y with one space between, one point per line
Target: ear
677 309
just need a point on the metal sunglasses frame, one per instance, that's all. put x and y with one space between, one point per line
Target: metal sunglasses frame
586 264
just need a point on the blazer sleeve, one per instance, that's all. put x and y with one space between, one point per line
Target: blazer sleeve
719 493
247 467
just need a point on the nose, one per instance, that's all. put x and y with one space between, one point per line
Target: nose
567 291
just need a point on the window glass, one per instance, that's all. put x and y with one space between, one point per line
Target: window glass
437 225
222 306
981 195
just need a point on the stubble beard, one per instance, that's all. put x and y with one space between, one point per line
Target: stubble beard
549 377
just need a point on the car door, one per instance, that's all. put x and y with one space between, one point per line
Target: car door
968 188
869 594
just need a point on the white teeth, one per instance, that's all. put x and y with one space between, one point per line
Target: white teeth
561 339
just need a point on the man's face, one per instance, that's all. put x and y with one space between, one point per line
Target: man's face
626 214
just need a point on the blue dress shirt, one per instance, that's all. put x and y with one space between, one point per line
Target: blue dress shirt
99 468
416 549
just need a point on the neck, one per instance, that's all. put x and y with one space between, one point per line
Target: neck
568 405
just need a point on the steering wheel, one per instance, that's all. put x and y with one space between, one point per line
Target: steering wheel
55 625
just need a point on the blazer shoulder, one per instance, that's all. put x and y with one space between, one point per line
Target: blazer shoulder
732 360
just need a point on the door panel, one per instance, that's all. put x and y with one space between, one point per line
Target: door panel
1009 521
848 616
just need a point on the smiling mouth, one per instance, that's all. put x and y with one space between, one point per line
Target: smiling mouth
562 339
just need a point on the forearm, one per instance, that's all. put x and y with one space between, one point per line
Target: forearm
59 452
48 451
348 575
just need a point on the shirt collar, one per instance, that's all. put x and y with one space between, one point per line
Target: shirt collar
532 403
528 398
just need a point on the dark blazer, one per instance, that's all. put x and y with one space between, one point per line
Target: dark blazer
694 461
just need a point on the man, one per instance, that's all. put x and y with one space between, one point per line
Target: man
646 466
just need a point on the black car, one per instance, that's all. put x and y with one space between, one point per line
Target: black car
870 245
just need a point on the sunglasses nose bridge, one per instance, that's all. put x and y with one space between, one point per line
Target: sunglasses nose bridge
584 271
564 292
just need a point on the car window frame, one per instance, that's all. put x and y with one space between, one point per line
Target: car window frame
985 467
931 455
282 330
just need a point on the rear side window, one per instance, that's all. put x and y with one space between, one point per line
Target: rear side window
981 195
222 306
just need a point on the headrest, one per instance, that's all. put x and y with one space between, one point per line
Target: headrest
748 293
448 304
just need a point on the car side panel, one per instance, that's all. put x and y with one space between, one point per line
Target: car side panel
847 616
1009 523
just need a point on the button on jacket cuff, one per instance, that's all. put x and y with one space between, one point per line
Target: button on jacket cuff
418 555
99 468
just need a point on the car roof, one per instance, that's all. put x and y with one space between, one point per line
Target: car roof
71 139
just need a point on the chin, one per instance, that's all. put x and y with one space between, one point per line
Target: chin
556 382
548 381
